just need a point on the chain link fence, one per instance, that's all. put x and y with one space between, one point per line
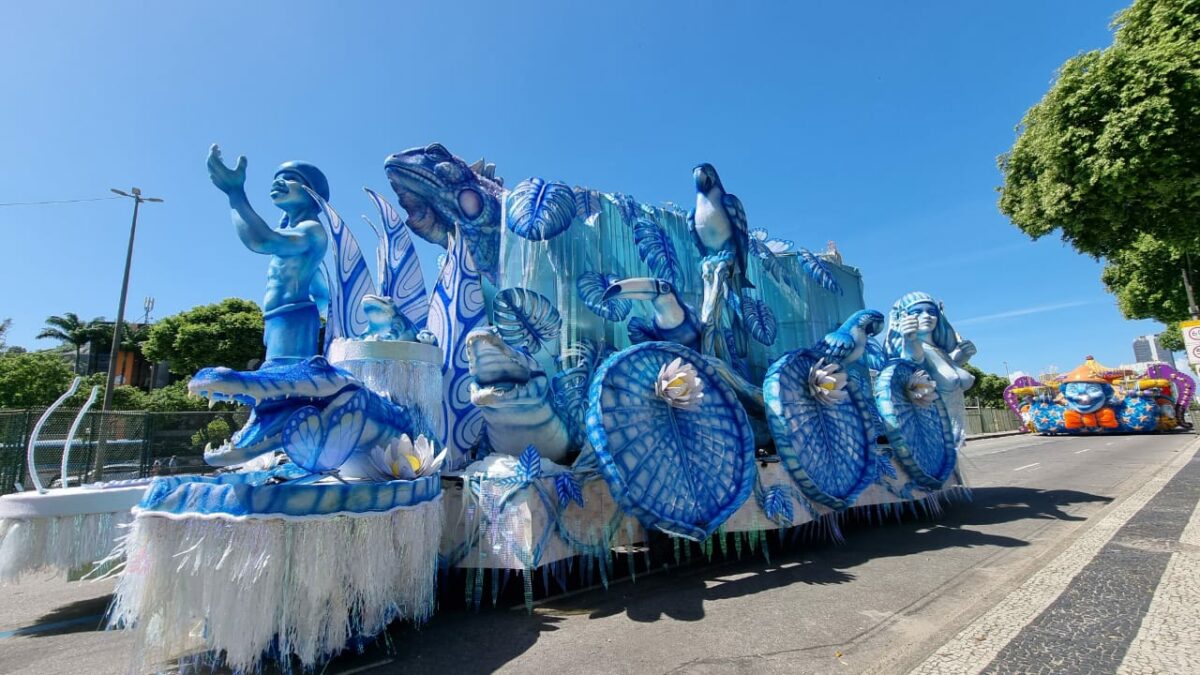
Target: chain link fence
109 446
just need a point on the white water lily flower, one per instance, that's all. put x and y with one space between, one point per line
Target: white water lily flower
827 383
921 389
404 459
679 385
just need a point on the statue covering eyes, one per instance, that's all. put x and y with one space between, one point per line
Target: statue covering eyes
919 332
295 284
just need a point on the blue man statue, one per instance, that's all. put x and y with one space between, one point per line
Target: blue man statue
295 283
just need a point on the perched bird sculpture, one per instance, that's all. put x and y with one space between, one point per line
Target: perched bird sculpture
848 343
674 320
718 222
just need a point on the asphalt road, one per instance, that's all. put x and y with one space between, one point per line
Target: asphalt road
881 602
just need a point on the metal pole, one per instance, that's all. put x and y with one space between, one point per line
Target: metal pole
136 195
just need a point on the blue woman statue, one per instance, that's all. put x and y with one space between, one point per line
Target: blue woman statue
919 332
294 283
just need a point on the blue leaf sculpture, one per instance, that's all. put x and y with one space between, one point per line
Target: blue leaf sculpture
826 447
777 506
526 318
538 209
591 287
399 269
921 437
656 250
529 465
680 470
758 319
587 202
350 280
819 272
456 308
568 489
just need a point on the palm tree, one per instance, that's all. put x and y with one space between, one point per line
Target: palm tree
70 329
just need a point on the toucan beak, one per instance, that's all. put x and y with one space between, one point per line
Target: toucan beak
637 288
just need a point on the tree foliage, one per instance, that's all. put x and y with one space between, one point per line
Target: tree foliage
1146 280
228 333
1110 158
71 330
32 380
988 389
1113 149
1171 339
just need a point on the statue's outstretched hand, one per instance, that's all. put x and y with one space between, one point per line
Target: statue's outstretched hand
908 325
227 180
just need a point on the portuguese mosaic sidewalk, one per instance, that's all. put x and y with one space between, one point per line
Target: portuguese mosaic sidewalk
1120 599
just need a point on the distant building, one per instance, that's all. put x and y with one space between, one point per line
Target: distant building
132 367
1147 349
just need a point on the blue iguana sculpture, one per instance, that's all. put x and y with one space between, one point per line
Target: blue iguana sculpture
443 196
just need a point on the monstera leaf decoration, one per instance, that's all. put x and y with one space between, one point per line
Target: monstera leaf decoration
591 287
526 318
538 209
758 319
657 250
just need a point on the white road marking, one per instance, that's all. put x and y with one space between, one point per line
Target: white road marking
1079 452
975 646
1166 640
1027 466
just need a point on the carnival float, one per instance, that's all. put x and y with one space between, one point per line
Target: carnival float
1096 399
588 373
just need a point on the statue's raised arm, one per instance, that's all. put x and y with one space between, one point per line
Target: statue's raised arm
297 247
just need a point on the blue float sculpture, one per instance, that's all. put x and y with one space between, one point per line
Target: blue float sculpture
297 247
587 368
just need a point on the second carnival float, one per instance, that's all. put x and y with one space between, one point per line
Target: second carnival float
588 375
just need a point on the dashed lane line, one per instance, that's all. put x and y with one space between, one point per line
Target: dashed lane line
1027 466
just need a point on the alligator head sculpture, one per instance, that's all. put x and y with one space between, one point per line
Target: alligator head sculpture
320 415
443 196
514 394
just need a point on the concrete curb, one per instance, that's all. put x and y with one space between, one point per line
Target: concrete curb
995 434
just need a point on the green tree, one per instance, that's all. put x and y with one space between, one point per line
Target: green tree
174 398
32 380
70 329
1111 154
1145 281
125 397
1172 338
228 333
988 389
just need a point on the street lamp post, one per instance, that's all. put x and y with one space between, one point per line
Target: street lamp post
136 195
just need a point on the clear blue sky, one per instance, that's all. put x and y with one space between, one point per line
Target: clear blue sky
876 126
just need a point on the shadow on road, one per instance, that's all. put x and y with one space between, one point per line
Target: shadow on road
80 616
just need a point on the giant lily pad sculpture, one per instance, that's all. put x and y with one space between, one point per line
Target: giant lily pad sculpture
671 439
916 422
820 417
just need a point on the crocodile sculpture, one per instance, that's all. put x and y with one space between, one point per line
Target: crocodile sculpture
513 393
443 196
320 415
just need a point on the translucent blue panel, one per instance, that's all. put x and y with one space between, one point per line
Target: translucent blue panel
601 240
